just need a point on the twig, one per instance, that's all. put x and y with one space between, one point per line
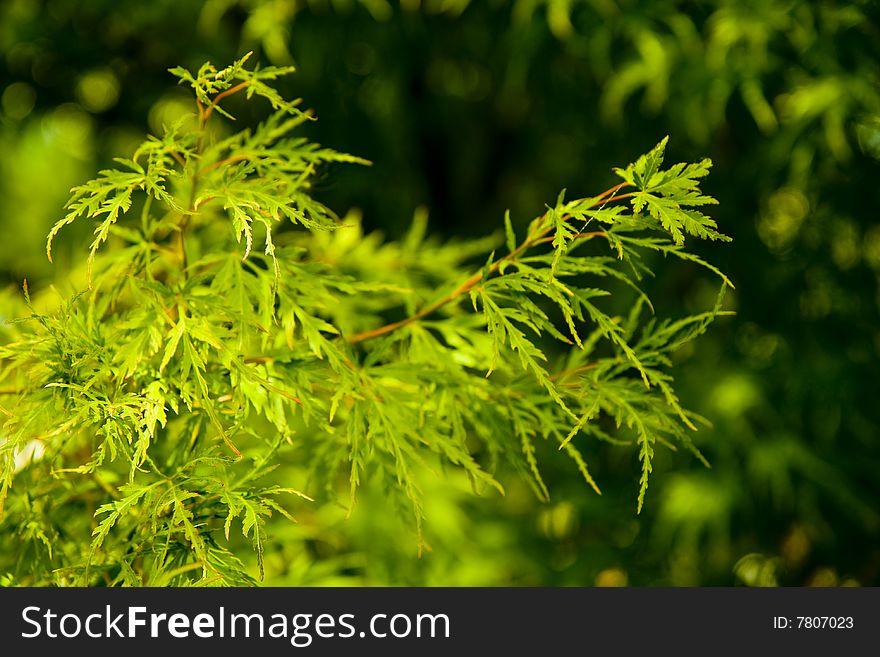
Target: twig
573 370
223 94
465 287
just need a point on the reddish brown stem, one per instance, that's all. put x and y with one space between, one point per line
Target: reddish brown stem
598 233
573 370
258 359
611 190
476 278
224 162
619 197
178 158
424 312
221 96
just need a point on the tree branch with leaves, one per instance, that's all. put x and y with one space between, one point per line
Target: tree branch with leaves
171 395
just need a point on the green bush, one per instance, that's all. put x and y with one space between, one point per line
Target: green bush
235 344
472 108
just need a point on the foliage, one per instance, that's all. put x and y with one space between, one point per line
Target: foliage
231 324
470 108
784 96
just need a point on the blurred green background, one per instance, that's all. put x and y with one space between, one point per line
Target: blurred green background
468 108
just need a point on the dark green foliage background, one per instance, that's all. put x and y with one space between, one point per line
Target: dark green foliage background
471 108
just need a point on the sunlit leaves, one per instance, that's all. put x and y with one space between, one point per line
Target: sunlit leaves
671 195
210 84
139 387
236 334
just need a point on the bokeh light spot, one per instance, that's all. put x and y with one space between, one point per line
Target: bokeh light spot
18 100
98 91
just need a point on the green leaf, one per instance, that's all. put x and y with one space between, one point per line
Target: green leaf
508 231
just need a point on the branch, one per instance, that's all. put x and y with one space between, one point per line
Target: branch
222 163
465 287
223 94
574 370
598 233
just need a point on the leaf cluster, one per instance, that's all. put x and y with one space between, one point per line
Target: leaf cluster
198 383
